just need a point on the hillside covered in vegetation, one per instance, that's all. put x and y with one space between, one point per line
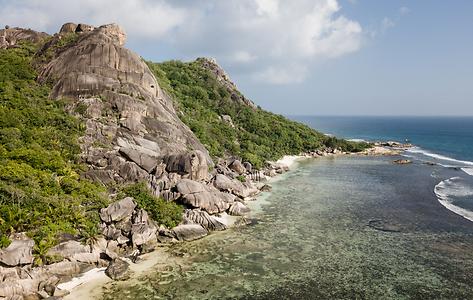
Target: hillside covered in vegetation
253 134
42 188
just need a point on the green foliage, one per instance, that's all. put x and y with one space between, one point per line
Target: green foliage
41 192
67 39
4 241
241 178
164 212
258 135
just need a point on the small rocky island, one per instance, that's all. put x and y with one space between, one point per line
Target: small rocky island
139 167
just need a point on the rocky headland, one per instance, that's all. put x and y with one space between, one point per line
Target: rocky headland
132 133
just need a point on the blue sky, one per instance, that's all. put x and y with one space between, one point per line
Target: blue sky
313 57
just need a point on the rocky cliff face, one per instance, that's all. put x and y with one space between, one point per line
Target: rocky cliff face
131 125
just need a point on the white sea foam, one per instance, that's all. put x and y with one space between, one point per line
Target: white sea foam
468 171
357 140
454 187
461 163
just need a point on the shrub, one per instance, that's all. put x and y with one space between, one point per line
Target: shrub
40 189
164 212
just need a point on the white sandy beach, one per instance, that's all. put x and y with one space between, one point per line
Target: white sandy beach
90 284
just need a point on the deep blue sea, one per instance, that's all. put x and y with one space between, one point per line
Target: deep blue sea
446 141
448 136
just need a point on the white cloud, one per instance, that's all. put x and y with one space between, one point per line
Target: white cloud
404 10
287 74
139 17
268 7
278 41
242 57
387 23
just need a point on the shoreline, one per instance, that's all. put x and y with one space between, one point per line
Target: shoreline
90 284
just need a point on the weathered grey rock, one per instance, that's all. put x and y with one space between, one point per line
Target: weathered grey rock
131 172
9 290
10 37
118 269
86 257
238 209
187 186
266 188
64 268
146 161
194 164
111 233
86 28
118 211
129 119
201 196
189 232
402 161
68 249
143 233
19 252
233 186
141 217
237 166
8 274
109 248
196 216
68 28
227 119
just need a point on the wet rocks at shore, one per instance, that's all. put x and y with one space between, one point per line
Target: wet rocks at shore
402 161
118 269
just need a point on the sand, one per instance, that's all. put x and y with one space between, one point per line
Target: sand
90 284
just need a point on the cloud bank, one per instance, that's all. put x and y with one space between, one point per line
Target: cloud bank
273 41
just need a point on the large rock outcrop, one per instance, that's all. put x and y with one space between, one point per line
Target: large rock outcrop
131 124
208 198
18 253
10 37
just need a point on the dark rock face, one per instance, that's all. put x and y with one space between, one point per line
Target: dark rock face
131 123
118 269
238 167
193 165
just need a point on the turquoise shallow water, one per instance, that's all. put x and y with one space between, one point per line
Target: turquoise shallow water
447 141
312 241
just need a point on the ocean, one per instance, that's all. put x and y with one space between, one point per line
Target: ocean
447 141
347 227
